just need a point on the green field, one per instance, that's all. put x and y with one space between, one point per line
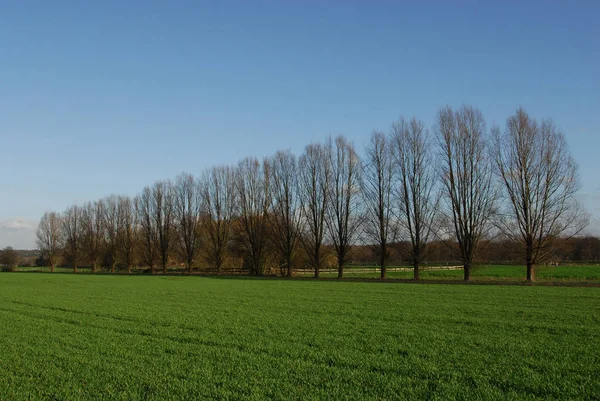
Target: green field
588 273
563 273
68 336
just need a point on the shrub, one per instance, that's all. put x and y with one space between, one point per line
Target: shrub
9 260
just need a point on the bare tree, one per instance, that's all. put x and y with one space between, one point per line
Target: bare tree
148 229
127 234
252 182
219 199
467 178
286 207
111 228
187 207
416 187
315 172
342 219
93 237
9 259
540 180
73 234
162 207
379 226
49 238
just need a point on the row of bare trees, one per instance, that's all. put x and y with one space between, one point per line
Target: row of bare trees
460 182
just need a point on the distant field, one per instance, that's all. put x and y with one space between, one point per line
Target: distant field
587 273
141 337
489 272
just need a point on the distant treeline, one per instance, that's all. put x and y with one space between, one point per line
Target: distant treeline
577 250
458 192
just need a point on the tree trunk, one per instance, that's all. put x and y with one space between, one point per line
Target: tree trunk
530 271
52 268
190 269
112 268
417 271
529 259
289 268
74 268
152 269
164 269
129 269
341 259
382 264
467 267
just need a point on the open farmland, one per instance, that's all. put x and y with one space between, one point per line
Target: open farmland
67 336
575 274
544 274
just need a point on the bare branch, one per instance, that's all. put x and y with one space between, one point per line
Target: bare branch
379 227
49 237
187 208
416 189
73 234
127 234
286 207
539 177
148 228
252 182
466 175
315 174
342 217
219 200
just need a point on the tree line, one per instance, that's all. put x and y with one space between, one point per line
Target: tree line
458 183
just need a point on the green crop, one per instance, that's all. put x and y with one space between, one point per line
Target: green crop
587 273
88 337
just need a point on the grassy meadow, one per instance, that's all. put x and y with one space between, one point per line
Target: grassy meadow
118 337
562 273
583 273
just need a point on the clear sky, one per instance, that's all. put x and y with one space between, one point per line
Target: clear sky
108 96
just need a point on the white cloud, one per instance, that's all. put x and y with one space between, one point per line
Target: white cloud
18 233
17 223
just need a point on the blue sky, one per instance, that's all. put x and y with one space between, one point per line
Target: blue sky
108 96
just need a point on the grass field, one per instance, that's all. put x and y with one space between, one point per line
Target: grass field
68 336
574 273
490 272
